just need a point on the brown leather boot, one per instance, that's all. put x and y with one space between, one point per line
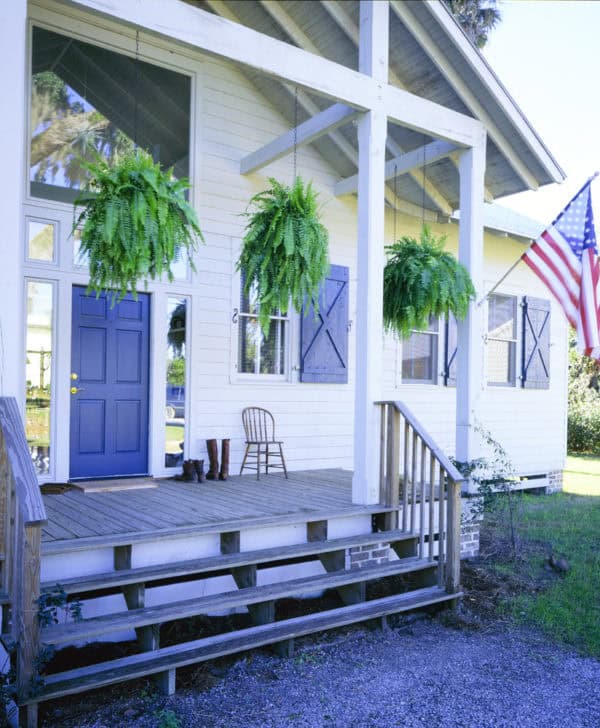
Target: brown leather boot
199 466
189 472
213 457
224 474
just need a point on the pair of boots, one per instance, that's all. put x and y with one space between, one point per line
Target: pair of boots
213 457
193 471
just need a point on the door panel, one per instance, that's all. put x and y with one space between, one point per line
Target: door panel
109 411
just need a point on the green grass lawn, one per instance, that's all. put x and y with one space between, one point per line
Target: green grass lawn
582 475
567 607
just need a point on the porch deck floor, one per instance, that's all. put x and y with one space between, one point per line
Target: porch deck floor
213 506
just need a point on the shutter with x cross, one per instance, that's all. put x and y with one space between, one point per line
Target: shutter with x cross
324 335
535 372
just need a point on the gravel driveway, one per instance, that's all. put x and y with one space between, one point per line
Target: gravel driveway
420 674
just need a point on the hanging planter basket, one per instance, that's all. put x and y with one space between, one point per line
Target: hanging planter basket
285 252
421 280
135 223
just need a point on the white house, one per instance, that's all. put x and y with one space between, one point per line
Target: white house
398 120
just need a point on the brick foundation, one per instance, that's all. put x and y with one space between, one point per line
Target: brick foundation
555 481
358 557
469 527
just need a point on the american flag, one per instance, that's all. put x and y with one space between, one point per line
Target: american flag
565 257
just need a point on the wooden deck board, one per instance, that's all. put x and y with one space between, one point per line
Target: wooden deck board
174 506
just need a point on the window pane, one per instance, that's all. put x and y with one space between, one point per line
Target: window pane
175 390
80 258
250 337
272 348
40 237
502 317
38 373
501 361
86 99
248 303
419 357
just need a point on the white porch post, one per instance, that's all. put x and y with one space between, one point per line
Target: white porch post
372 132
470 331
13 34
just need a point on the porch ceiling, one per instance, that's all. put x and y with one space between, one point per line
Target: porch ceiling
429 56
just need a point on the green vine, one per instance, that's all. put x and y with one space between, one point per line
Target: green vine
421 280
285 250
135 222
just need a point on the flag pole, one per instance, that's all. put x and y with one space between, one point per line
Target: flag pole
516 263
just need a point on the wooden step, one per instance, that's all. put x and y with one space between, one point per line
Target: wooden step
144 575
170 658
96 626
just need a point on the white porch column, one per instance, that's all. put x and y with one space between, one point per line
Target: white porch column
13 34
470 373
372 132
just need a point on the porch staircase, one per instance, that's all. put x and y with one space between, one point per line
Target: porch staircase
260 601
418 518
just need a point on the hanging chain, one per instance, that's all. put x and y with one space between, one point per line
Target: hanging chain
137 88
295 132
423 189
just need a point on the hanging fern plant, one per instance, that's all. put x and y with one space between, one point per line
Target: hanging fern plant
285 252
421 280
135 222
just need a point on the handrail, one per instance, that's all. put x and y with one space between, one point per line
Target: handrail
441 457
22 514
28 493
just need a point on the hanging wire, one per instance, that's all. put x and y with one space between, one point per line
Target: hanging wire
395 202
423 187
137 88
295 132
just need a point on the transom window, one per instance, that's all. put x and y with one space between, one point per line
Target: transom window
420 354
87 100
502 340
260 354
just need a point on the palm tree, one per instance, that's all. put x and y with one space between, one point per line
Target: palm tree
476 17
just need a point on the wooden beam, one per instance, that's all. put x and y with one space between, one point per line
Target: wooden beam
470 349
372 133
346 24
299 37
407 18
401 165
216 36
351 29
305 133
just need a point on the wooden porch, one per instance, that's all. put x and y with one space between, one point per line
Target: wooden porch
217 546
169 508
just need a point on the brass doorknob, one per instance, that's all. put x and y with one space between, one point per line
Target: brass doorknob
75 390
73 376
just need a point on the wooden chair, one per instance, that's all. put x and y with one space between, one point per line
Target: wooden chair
259 426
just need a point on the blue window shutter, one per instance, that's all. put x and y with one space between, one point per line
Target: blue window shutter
450 350
324 336
535 370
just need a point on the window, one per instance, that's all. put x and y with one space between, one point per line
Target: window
87 100
420 355
502 340
260 354
40 241
175 385
38 372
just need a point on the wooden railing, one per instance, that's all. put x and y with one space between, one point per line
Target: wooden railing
22 515
423 487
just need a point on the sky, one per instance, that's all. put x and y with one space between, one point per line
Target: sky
547 54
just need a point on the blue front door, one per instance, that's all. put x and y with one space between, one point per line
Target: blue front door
109 385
